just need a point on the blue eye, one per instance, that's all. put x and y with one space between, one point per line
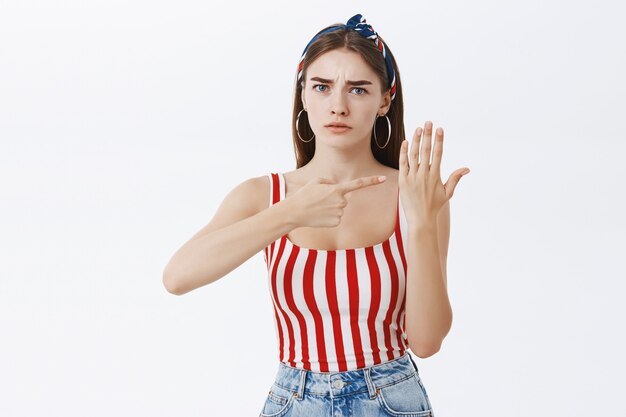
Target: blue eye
363 91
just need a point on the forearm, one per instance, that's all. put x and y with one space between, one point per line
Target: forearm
209 257
428 311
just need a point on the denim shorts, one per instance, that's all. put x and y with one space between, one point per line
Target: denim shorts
393 388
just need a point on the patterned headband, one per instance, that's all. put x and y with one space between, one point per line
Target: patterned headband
357 22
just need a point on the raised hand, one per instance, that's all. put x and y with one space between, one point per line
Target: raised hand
421 190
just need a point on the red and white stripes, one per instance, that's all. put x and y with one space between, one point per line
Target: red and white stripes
337 310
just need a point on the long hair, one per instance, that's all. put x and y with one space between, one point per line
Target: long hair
348 38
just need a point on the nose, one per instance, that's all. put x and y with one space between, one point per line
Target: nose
339 104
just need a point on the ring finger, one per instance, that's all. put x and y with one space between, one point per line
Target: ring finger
415 146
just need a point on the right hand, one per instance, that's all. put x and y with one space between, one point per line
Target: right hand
320 202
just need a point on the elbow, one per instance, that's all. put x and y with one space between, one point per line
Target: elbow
425 351
171 284
425 348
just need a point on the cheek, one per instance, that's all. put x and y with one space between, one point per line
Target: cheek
316 119
365 118
314 114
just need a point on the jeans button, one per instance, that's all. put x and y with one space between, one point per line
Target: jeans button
338 384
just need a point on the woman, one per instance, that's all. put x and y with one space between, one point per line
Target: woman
355 239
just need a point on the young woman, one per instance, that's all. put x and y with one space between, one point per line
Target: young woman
355 239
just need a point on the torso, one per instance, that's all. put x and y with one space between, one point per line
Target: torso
339 293
368 219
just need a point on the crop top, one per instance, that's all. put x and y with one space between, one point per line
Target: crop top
337 310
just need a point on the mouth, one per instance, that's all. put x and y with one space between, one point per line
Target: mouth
338 128
337 125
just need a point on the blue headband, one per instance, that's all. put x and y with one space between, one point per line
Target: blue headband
357 23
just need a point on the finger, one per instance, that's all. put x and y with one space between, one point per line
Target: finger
415 146
403 164
453 181
358 183
321 180
425 148
437 151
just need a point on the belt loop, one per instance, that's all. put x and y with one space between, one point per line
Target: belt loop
371 389
413 361
300 395
330 387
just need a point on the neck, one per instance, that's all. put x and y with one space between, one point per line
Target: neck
343 164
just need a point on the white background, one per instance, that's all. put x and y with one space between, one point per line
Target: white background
123 125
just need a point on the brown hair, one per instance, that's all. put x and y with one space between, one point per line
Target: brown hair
348 38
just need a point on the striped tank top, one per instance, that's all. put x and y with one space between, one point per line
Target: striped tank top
337 310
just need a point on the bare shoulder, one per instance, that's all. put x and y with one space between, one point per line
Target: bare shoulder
254 193
246 199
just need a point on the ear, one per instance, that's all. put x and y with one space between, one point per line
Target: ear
385 103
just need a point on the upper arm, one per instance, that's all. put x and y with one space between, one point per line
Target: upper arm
443 233
244 200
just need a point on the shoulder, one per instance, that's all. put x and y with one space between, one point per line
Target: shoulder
252 194
257 190
243 200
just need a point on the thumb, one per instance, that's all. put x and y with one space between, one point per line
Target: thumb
454 179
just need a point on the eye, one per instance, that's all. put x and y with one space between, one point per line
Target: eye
364 91
319 85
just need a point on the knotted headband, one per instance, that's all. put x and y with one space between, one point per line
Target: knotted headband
357 23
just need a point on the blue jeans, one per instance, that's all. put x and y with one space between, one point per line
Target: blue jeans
393 388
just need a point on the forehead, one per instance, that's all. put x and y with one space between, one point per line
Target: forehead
341 63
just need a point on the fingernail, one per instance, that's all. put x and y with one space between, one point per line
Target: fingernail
382 178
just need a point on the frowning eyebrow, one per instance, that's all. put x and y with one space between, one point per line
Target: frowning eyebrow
349 82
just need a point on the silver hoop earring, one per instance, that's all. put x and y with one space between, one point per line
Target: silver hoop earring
298 132
388 135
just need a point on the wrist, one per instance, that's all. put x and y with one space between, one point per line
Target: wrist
423 225
287 215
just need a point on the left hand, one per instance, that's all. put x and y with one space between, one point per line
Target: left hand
421 189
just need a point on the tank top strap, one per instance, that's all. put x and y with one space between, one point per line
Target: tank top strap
277 193
277 187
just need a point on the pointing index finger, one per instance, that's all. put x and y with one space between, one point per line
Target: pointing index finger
362 182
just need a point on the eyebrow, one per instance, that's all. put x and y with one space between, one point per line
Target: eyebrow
349 82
